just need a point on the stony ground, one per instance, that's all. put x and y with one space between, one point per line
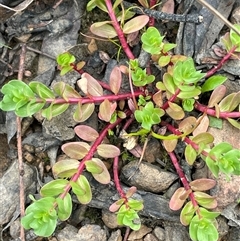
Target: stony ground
156 179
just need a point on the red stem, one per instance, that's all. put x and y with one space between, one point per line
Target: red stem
151 19
220 64
92 99
166 105
91 153
116 179
118 29
209 111
182 177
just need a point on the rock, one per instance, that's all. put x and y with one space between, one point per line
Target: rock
159 233
147 177
41 142
232 213
175 232
9 189
15 229
226 192
89 232
109 219
116 236
139 233
155 206
234 234
150 237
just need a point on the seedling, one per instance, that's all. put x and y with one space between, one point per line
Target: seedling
177 94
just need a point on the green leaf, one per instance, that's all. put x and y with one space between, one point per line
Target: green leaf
41 90
234 123
65 168
83 112
98 170
190 154
213 82
29 109
135 204
54 110
205 200
53 188
187 213
82 185
64 207
215 122
188 104
234 37
164 60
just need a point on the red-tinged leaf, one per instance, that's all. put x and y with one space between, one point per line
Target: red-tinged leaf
202 184
203 126
116 205
187 213
86 133
205 138
115 80
98 170
108 151
65 168
217 95
158 98
176 201
175 111
230 102
103 29
89 85
106 110
66 91
170 145
124 69
205 200
131 191
83 112
234 123
144 3
76 150
135 24
187 125
190 154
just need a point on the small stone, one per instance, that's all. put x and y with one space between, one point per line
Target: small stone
109 219
225 191
147 177
68 233
91 232
28 157
150 237
159 233
116 236
29 148
15 229
139 233
175 232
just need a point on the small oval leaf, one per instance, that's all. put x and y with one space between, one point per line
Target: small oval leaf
108 151
76 150
135 24
86 133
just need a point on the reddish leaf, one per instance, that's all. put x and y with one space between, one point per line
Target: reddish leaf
66 91
115 80
86 133
89 85
158 98
202 184
187 125
131 191
170 145
106 110
103 29
203 126
116 205
76 150
177 200
217 95
135 24
108 151
175 111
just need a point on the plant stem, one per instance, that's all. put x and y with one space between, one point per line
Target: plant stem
116 179
220 64
166 105
182 177
118 29
91 152
92 99
152 19
211 112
